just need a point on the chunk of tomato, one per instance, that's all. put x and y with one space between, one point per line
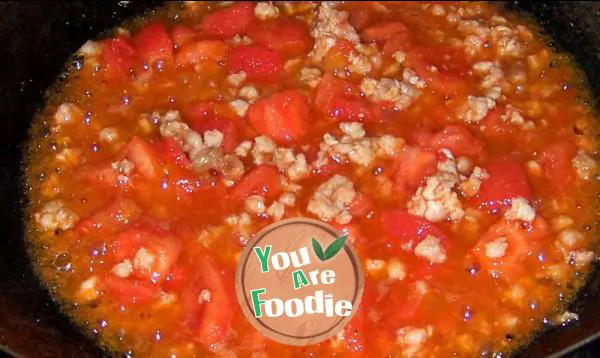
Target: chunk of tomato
341 100
382 31
231 133
355 333
338 56
153 253
445 83
262 180
182 34
203 51
207 303
110 218
455 138
205 116
260 63
355 235
130 291
557 166
153 42
118 55
361 18
230 21
411 167
177 278
493 127
409 229
218 312
521 239
288 36
507 180
283 116
101 174
165 252
404 307
143 156
174 152
361 204
425 61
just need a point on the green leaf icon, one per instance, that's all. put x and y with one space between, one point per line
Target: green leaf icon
332 250
318 249
335 247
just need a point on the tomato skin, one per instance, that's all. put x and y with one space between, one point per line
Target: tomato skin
557 168
153 43
261 180
118 55
455 138
341 100
260 63
230 21
110 218
507 180
203 51
288 36
283 116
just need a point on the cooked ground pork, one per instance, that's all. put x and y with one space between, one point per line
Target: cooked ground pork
332 24
400 93
266 10
355 147
431 249
436 201
203 154
55 216
520 210
585 166
332 199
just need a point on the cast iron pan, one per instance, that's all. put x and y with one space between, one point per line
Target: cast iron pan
35 40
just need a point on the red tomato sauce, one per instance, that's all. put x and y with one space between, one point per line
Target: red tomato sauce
451 143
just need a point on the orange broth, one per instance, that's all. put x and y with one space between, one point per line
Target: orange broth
467 303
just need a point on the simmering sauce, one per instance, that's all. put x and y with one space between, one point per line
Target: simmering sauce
448 140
